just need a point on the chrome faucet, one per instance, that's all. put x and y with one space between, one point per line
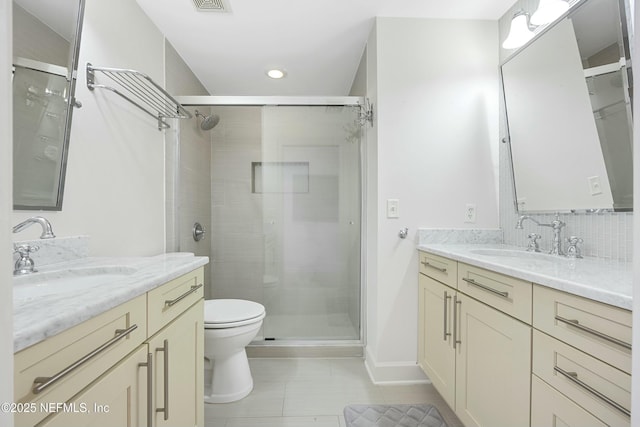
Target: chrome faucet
556 225
47 231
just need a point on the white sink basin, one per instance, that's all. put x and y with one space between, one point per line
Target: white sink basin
514 253
65 281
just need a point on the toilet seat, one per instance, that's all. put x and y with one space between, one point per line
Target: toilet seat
231 313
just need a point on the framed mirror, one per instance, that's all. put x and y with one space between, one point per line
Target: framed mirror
46 41
568 105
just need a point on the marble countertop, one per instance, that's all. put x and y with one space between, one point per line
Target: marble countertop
606 281
38 316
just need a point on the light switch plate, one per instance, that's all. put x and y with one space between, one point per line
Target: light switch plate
393 208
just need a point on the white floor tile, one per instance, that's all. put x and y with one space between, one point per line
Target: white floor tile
308 392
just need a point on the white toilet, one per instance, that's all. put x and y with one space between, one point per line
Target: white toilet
229 326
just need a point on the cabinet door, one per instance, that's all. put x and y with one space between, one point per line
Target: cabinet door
178 366
493 366
436 353
551 408
117 398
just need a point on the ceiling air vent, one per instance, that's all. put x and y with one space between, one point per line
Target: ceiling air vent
211 5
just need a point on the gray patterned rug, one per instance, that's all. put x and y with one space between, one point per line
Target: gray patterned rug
420 415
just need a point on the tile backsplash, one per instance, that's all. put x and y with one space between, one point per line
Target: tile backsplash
60 249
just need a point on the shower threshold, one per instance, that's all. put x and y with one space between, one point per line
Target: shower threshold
306 348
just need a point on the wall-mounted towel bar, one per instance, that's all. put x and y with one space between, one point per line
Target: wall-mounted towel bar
141 91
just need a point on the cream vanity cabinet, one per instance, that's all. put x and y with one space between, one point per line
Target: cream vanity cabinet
571 367
140 360
475 341
581 369
176 312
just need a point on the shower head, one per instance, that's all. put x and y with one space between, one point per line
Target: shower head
208 122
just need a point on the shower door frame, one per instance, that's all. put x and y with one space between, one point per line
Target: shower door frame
313 348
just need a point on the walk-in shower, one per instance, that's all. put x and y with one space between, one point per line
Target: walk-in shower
286 215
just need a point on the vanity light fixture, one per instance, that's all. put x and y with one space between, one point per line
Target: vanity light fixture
276 73
519 33
548 11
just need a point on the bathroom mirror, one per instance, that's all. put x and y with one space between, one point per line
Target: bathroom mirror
46 41
568 105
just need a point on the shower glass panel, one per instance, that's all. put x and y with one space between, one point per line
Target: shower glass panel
286 208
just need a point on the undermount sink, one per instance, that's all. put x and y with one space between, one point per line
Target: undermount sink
514 253
64 281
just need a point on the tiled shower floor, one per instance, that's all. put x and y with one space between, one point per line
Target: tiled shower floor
312 393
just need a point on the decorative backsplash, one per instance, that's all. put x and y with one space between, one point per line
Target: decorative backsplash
458 236
60 249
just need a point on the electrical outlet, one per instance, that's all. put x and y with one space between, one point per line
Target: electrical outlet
470 213
393 208
594 185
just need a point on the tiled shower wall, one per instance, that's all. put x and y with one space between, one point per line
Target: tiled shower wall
606 235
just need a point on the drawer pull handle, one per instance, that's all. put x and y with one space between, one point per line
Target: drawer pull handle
435 267
149 365
486 288
171 302
42 383
165 350
446 304
573 377
456 302
576 324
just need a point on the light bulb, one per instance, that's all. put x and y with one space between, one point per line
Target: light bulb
548 11
519 33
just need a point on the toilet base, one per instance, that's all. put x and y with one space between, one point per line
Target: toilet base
230 379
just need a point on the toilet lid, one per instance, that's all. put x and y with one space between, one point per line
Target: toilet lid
224 311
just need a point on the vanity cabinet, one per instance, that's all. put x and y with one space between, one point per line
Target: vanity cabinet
506 352
467 345
121 366
582 351
178 371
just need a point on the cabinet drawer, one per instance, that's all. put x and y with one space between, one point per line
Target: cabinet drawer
170 300
591 383
72 359
442 269
507 294
551 408
599 329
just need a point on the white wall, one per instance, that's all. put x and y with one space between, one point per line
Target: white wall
434 84
115 175
6 204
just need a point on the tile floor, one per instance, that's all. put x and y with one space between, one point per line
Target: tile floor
312 393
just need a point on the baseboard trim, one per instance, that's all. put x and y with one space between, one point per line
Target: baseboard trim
391 373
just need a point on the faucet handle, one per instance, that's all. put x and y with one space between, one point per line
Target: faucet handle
24 264
573 251
533 242
24 250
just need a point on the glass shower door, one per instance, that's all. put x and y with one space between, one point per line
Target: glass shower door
308 179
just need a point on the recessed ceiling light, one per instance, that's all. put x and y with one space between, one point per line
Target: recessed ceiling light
275 73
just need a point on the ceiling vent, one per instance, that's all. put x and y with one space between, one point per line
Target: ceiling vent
211 5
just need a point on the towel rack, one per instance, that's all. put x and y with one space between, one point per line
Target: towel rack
141 91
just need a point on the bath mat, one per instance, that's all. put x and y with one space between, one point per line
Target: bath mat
420 415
